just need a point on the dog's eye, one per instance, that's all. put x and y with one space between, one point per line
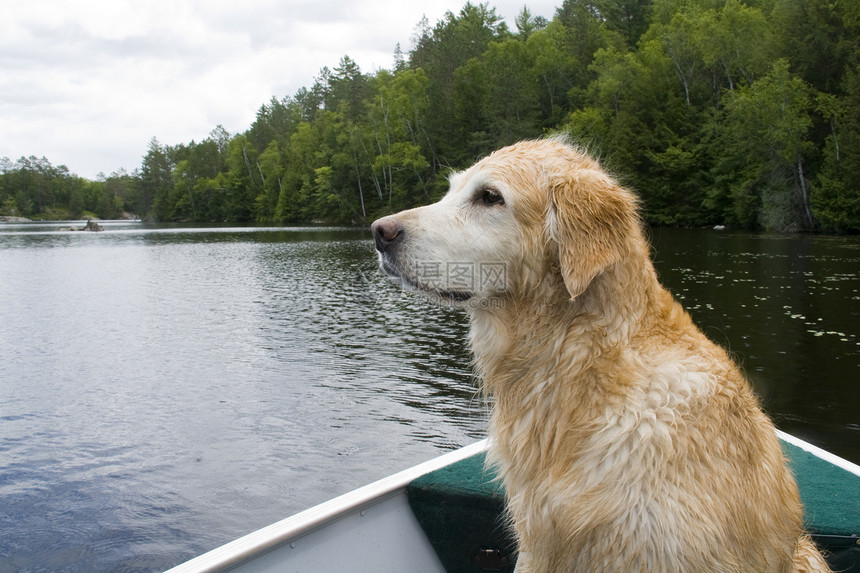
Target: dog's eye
489 196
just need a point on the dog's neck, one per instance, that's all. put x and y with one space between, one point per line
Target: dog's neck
543 360
548 327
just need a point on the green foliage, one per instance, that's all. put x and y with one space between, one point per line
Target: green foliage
770 120
835 198
738 112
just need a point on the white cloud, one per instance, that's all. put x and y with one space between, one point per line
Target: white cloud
88 84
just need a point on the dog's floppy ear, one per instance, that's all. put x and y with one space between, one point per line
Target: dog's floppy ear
594 221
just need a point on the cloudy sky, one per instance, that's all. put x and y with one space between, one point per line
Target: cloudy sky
87 84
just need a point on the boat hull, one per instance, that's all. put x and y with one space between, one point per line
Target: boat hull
446 515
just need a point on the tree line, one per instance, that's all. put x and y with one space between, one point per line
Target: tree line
740 113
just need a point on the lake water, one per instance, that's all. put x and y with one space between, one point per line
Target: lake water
164 390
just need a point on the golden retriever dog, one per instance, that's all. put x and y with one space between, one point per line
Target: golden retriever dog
626 440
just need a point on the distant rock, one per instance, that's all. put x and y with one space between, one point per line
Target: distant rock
11 219
90 226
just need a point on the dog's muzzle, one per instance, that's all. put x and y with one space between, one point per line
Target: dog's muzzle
389 234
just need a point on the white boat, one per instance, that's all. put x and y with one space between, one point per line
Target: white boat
444 516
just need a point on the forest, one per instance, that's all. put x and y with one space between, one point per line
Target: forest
744 113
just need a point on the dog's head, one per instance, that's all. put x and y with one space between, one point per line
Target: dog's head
534 210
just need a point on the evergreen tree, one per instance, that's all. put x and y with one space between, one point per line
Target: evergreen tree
156 181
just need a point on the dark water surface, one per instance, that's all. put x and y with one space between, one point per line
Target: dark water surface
164 390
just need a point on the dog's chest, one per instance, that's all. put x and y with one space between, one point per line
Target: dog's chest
559 444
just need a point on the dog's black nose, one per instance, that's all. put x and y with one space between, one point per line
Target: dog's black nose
385 231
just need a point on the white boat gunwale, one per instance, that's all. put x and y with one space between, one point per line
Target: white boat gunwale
819 452
291 528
